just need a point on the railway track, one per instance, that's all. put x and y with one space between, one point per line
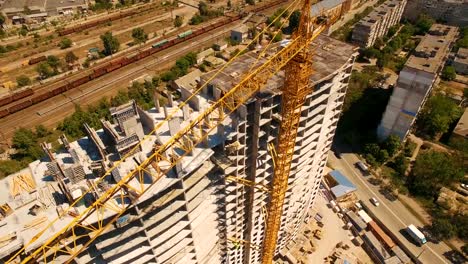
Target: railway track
26 98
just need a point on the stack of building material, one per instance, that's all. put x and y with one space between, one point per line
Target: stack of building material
36 223
22 183
5 240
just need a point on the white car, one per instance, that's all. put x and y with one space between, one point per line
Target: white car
464 186
374 201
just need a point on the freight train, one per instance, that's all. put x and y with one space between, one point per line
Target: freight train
90 74
81 27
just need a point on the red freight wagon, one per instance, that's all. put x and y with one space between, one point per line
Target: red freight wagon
3 113
22 94
19 106
39 98
6 100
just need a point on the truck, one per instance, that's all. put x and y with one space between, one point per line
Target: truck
417 235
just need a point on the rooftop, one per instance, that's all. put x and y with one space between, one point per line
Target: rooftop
319 7
462 126
190 80
462 56
343 187
330 55
433 49
20 4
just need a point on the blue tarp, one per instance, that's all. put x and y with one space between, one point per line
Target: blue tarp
343 187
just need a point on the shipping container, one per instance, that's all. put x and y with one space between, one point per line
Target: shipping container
380 234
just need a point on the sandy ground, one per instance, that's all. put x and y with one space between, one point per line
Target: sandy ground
334 233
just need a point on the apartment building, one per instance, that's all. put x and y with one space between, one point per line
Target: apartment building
377 23
416 80
451 12
198 212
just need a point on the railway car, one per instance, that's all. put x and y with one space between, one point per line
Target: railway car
144 54
41 97
185 34
110 67
37 60
4 113
66 31
160 43
20 106
22 94
6 100
98 72
56 87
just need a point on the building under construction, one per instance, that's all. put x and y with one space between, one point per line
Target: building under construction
204 210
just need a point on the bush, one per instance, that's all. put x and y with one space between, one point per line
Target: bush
23 80
65 43
410 146
448 73
443 229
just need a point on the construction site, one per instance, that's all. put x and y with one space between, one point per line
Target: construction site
226 173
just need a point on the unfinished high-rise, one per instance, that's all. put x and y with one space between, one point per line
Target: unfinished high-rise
201 212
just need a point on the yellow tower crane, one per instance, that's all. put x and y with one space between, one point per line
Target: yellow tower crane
73 237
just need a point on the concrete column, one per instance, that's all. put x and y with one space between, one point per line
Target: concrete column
186 112
156 101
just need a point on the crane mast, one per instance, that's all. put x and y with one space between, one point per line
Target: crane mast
294 92
91 222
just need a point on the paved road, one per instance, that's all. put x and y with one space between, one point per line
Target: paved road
392 213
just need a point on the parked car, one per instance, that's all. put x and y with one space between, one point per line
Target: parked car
374 201
362 167
464 186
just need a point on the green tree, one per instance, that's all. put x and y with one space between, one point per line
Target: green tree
294 20
2 19
44 70
432 170
443 229
278 36
178 21
382 156
8 167
423 24
23 31
23 80
111 43
54 63
437 116
448 73
464 249
139 35
392 144
196 19
203 9
25 142
70 57
400 164
65 43
42 131
250 2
